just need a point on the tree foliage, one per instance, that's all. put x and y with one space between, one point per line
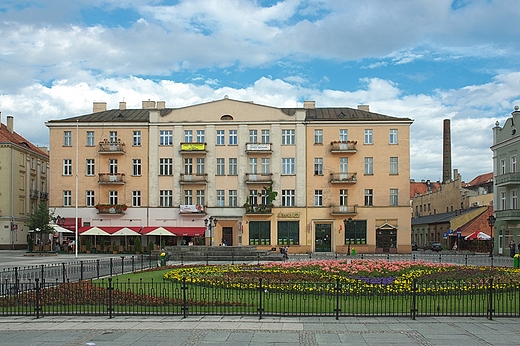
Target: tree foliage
40 220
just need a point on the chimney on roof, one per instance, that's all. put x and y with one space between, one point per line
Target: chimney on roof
99 107
446 152
309 104
148 104
10 124
365 108
161 104
122 106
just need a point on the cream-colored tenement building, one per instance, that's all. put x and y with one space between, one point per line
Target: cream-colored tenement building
24 184
314 179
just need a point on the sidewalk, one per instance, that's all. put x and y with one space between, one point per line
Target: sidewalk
238 330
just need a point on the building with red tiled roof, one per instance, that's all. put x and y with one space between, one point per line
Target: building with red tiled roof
23 184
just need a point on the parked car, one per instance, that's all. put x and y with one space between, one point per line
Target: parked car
436 246
414 246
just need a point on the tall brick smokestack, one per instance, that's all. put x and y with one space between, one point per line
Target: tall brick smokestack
446 152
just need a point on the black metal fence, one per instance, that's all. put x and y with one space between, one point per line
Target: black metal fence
260 297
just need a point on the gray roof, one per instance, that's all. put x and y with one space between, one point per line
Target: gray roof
439 218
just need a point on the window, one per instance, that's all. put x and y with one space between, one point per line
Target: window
393 136
287 166
112 166
67 167
343 198
233 201
287 137
288 232
233 166
200 165
502 166
343 135
90 169
90 138
318 198
503 200
112 135
67 198
259 232
253 165
201 136
394 197
165 166
136 167
266 165
200 197
318 166
188 136
356 232
368 137
221 137
318 136
253 136
266 136
221 166
513 164
188 166
220 198
233 137
394 167
165 137
188 197
89 198
253 197
288 199
514 199
112 197
136 198
165 198
67 138
136 139
369 165
343 167
369 197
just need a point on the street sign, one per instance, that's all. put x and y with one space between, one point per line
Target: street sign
445 235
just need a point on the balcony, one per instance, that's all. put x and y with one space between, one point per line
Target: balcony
343 178
106 147
343 210
343 147
511 179
111 208
259 178
44 195
508 215
109 178
258 209
194 178
193 148
258 148
34 194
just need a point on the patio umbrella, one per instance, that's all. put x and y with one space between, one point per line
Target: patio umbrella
95 231
160 231
477 235
125 231
60 229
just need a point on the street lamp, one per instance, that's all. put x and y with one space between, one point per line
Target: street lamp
210 223
491 222
347 223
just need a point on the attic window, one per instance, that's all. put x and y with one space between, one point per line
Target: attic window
341 115
226 117
120 115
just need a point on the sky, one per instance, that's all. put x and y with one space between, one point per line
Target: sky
420 59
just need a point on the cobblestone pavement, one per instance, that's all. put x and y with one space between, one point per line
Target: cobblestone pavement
238 330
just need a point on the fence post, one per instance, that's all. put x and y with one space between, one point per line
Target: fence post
413 311
258 258
440 258
184 298
97 268
43 273
466 259
388 257
122 265
37 306
110 297
133 264
338 290
111 265
261 302
81 270
63 271
490 309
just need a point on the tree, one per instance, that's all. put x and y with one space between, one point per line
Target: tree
40 221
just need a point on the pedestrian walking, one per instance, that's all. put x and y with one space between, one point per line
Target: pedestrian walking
512 248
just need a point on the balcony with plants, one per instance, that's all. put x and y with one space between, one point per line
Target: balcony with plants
111 208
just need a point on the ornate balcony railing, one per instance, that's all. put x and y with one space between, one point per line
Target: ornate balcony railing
34 193
110 178
44 195
111 147
508 179
344 178
343 146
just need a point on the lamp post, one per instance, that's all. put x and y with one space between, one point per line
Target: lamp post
347 223
211 223
491 222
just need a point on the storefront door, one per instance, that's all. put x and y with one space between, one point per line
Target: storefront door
323 238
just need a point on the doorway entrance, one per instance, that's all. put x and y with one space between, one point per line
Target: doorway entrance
386 240
227 236
323 238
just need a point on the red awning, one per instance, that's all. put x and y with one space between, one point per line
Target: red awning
108 230
176 231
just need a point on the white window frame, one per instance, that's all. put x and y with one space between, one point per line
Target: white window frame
188 197
266 136
67 138
221 166
288 166
369 136
369 165
188 136
318 166
233 137
233 166
394 197
288 137
394 165
165 138
201 136
165 166
513 164
233 198
90 198
200 164
136 198
136 167
67 167
253 136
343 135
221 198
136 139
113 197
90 139
394 136
318 198
318 136
67 198
221 137
165 198
90 169
288 198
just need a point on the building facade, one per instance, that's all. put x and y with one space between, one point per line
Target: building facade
313 179
24 183
506 150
